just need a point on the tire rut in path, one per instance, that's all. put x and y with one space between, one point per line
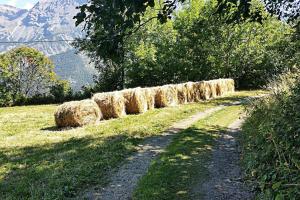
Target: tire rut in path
225 176
124 181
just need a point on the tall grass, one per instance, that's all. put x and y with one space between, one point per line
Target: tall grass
271 140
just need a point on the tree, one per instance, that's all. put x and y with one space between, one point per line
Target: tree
198 44
61 90
25 72
106 25
109 24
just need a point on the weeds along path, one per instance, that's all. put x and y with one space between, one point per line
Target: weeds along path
124 181
225 177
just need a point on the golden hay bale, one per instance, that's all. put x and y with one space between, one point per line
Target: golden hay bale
111 104
165 96
135 101
221 87
150 97
195 91
154 92
212 88
182 93
207 93
190 87
199 90
224 86
77 113
155 89
230 85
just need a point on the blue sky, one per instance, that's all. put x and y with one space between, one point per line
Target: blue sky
27 4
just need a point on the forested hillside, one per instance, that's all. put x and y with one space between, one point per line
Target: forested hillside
74 68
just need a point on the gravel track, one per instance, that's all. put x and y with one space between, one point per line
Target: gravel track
225 180
124 181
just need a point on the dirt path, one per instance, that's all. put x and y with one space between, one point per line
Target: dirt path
123 183
225 179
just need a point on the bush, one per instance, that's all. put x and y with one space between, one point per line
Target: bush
271 141
61 91
5 97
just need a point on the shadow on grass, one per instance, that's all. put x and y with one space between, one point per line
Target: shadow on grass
228 100
61 170
64 169
53 129
183 164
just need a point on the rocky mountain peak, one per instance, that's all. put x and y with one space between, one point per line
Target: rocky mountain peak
48 20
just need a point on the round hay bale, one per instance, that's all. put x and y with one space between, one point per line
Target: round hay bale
225 86
191 95
165 96
230 85
150 97
221 87
200 91
77 113
207 94
213 88
111 104
155 91
135 101
182 93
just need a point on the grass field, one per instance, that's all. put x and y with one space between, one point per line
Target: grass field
37 161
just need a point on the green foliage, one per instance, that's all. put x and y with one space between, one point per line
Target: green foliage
27 77
25 72
131 49
61 90
107 24
282 9
198 44
271 141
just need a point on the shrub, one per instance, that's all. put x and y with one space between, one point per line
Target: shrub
271 141
61 91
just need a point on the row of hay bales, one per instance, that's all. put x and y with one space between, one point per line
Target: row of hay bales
138 100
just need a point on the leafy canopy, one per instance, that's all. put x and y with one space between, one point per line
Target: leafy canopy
25 72
133 43
198 45
108 22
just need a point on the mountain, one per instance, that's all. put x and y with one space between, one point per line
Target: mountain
77 75
48 20
9 17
